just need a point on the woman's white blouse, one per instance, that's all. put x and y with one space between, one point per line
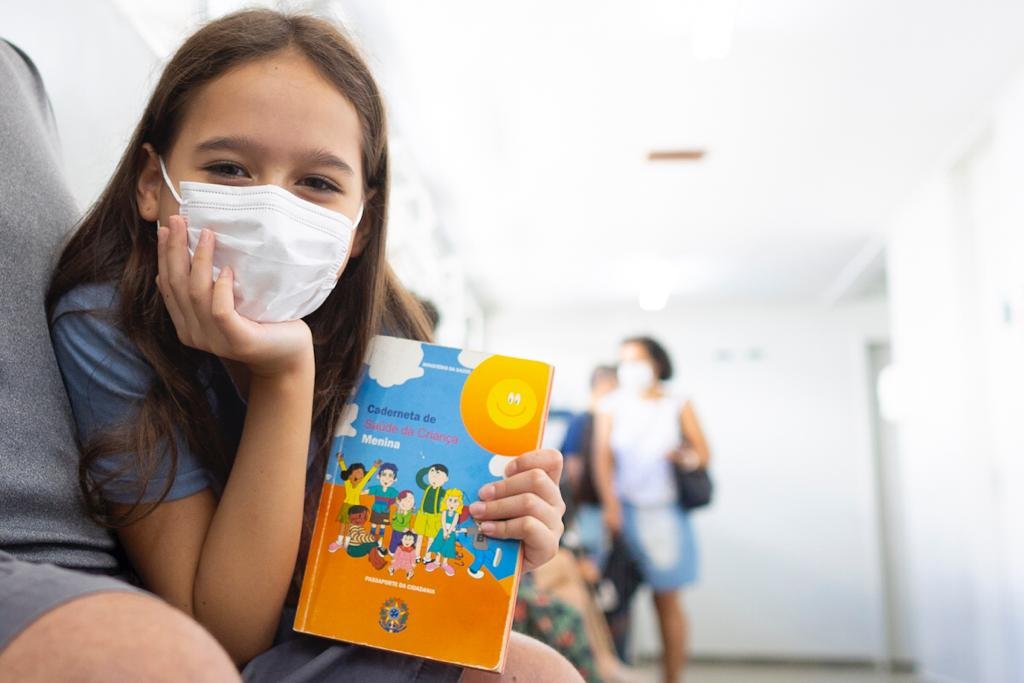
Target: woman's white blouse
644 432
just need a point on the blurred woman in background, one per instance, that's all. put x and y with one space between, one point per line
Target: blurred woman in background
642 431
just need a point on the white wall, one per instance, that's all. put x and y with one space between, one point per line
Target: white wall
956 269
790 551
98 72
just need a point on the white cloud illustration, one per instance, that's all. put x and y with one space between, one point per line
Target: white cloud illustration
499 463
471 359
346 420
395 361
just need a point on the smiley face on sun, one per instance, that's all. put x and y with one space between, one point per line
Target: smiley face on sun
501 403
511 403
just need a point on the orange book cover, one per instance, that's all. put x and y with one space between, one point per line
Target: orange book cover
396 561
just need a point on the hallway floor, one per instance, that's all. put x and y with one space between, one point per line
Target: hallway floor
777 673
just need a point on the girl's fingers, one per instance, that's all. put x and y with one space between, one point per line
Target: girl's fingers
162 236
520 505
200 284
534 481
547 459
171 306
222 309
539 542
177 273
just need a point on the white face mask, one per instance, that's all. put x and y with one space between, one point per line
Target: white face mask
286 253
635 376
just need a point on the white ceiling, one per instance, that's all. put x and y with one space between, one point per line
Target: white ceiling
530 122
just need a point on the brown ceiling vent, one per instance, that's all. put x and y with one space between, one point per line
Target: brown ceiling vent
676 155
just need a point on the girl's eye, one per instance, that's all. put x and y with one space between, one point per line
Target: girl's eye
320 184
227 169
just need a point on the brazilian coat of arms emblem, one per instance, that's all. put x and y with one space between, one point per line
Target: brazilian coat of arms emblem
394 615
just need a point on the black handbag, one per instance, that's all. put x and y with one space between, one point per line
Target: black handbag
694 487
623 577
623 573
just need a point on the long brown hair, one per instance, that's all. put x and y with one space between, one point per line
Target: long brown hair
114 244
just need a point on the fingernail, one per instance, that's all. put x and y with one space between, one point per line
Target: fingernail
511 468
486 527
477 508
487 492
204 236
161 234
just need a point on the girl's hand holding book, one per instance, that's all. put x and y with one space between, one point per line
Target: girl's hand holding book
203 311
526 505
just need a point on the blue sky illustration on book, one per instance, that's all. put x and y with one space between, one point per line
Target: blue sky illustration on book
416 387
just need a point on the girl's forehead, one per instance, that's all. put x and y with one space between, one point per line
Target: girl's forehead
281 104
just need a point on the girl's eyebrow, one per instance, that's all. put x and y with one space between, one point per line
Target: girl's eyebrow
232 144
321 157
318 157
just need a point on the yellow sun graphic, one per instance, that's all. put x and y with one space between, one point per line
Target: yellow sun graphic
502 404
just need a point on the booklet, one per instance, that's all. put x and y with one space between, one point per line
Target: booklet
396 562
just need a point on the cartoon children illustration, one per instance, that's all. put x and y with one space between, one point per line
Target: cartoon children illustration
403 558
485 550
384 495
360 542
355 478
444 542
428 519
401 519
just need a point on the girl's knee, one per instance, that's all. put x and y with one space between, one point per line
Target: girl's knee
528 661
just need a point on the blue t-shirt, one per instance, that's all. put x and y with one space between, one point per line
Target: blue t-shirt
578 443
574 433
382 499
107 378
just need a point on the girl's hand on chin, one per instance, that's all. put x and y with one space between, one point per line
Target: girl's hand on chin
203 311
526 505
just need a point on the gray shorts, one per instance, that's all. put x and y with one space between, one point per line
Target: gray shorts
29 590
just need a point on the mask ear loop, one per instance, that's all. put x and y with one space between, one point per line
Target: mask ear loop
170 185
359 216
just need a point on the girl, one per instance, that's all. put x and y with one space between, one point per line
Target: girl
355 477
403 557
638 433
205 433
444 542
